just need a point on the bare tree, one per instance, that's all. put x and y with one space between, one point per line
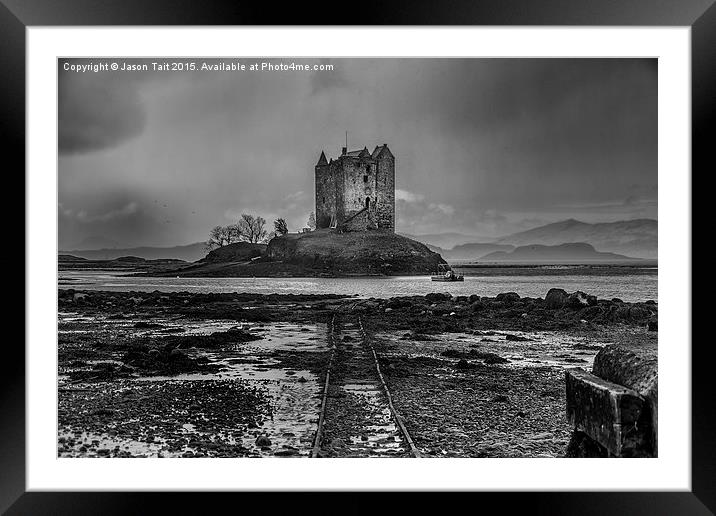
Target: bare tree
233 233
220 236
312 221
217 238
280 226
252 228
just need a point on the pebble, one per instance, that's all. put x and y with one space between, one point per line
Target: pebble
263 441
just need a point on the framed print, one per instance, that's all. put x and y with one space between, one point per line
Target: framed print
423 249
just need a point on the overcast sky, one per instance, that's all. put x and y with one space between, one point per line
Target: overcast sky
484 147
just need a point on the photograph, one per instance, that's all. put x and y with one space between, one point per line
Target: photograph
357 257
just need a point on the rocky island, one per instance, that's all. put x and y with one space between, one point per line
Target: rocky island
323 252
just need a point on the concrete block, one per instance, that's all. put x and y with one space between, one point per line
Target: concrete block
614 416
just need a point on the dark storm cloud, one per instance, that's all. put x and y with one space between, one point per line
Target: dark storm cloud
592 125
483 146
541 88
97 111
541 129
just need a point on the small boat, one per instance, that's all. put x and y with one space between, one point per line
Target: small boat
445 273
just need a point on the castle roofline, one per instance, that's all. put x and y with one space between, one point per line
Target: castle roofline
361 153
380 149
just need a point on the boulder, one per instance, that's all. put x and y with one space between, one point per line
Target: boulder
398 302
436 297
495 360
638 313
622 312
555 298
508 298
577 300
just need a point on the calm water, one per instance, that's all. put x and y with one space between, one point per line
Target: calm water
627 284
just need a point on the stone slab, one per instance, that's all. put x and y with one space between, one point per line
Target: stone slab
611 414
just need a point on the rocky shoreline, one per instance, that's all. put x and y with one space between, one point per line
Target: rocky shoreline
241 374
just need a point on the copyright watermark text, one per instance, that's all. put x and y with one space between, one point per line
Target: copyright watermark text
228 65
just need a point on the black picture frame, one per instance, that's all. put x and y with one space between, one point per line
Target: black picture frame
17 15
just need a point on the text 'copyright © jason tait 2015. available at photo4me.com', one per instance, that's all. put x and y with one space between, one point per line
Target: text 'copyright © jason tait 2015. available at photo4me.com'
194 66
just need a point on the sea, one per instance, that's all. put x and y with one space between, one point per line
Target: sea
630 283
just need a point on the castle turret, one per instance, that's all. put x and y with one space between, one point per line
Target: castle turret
326 187
356 190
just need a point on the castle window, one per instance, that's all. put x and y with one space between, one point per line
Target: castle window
324 199
367 202
365 179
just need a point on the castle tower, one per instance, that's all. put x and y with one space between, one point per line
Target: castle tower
325 192
357 190
385 187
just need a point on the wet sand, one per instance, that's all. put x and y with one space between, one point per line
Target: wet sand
242 375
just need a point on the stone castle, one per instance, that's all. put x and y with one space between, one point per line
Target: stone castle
356 191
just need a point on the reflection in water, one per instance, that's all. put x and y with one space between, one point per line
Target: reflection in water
294 394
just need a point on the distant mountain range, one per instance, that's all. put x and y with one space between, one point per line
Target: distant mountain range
188 253
636 238
629 238
562 253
